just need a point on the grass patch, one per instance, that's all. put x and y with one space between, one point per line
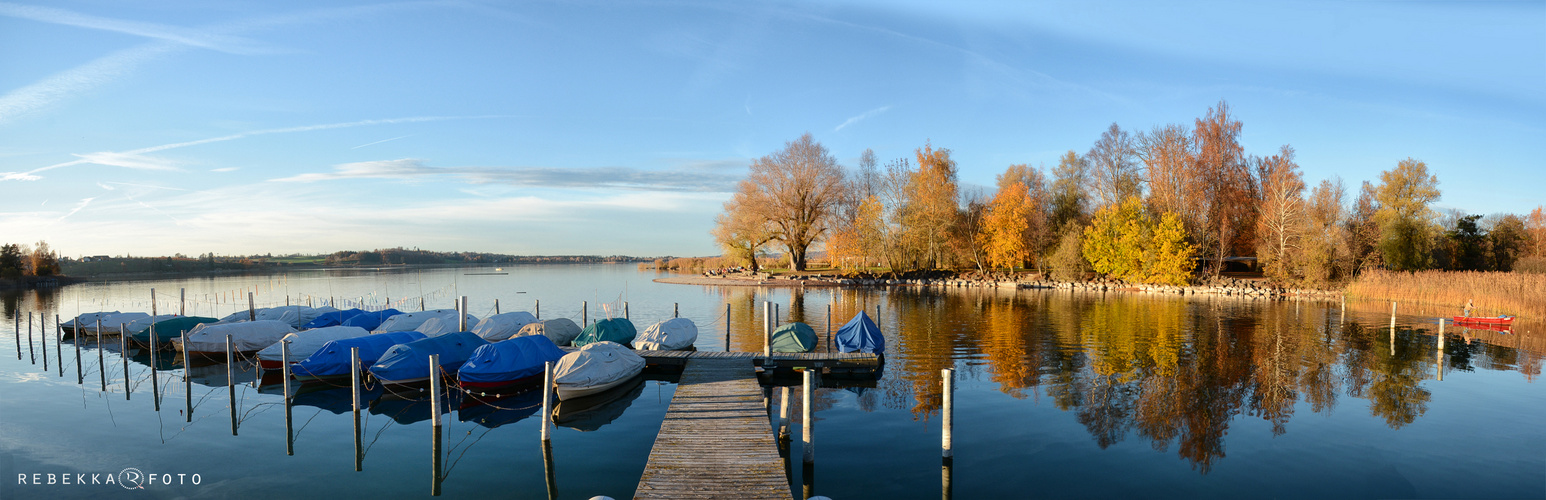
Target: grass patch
1493 293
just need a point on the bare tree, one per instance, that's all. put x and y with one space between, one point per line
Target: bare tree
1282 217
1114 167
1230 188
1174 186
796 190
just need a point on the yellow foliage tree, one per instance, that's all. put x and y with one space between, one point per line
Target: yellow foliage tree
1125 242
1004 228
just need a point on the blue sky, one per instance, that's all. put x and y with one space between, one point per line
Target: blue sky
152 128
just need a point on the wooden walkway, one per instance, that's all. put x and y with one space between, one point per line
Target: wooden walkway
716 440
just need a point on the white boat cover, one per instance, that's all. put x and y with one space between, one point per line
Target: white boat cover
245 336
304 343
411 322
142 323
88 320
668 335
112 322
561 331
438 326
503 326
595 367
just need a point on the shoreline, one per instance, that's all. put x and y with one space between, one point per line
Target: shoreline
1222 286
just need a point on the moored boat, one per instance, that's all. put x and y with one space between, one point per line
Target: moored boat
304 343
794 337
561 331
594 368
209 339
860 334
669 335
1493 321
168 329
332 359
503 326
508 363
408 363
616 330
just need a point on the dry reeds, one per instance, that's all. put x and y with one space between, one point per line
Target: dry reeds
1492 293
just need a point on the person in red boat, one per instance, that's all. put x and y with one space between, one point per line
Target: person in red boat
1468 308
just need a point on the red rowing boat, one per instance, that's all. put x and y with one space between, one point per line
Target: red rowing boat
1497 321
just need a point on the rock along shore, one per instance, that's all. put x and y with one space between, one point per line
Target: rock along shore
1220 286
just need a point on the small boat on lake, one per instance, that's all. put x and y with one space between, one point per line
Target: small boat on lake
508 364
503 326
616 330
371 319
412 321
561 331
168 329
408 363
594 368
332 359
794 337
304 343
860 334
674 334
248 336
1494 321
85 320
333 318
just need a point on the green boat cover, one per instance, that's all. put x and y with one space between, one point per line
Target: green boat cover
617 330
169 329
794 337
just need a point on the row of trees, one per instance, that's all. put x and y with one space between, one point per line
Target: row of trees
17 261
1153 206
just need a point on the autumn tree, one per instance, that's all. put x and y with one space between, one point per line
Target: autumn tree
1125 242
1169 165
1281 220
796 190
44 261
1068 203
1325 253
1535 229
741 233
1228 200
11 266
1038 234
1405 220
930 214
1114 167
1364 230
1004 227
1506 240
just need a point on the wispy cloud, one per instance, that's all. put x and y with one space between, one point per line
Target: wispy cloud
696 177
225 169
78 207
862 116
79 79
184 36
379 142
136 158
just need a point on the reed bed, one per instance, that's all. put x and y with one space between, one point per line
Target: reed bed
1493 293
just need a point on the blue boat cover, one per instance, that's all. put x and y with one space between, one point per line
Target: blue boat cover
370 320
334 318
618 330
860 335
169 329
410 361
333 358
512 359
794 337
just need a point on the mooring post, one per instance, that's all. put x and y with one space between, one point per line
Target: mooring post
123 345
625 310
101 365
676 310
434 390
829 327
767 331
182 301
461 318
537 308
946 413
16 329
58 345
187 382
547 466
547 400
80 374
152 302
252 310
808 424
421 304
727 327
777 315
32 353
584 313
496 307
354 384
1441 334
284 363
783 415
230 379
155 374
42 326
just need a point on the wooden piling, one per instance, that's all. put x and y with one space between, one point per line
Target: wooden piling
947 411
808 424
101 364
80 373
547 400
32 353
767 329
461 317
252 309
1441 334
537 308
727 327
625 311
284 362
152 302
434 389
43 325
187 382
182 301
354 384
829 327
123 345
496 307
584 314
58 345
676 310
783 413
230 379
155 374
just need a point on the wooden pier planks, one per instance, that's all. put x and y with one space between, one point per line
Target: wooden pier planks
716 440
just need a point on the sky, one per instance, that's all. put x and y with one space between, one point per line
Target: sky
546 128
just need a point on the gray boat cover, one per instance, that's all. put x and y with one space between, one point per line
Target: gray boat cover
412 321
597 364
245 336
112 322
668 335
561 331
503 326
306 342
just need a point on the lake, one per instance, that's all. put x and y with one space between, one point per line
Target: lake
1058 395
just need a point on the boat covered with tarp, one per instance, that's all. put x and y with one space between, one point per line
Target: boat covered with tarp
170 328
860 334
409 362
85 320
594 368
247 336
616 330
304 343
503 326
412 321
512 361
113 323
793 337
369 320
331 318
561 331
591 412
332 359
669 335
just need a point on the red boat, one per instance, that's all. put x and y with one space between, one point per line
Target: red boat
1497 321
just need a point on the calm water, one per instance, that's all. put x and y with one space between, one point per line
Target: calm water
1059 395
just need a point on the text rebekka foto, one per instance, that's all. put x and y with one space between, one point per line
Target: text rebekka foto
130 478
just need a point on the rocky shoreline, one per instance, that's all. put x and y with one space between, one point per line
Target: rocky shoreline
1225 286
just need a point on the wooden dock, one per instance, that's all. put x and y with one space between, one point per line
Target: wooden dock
716 440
